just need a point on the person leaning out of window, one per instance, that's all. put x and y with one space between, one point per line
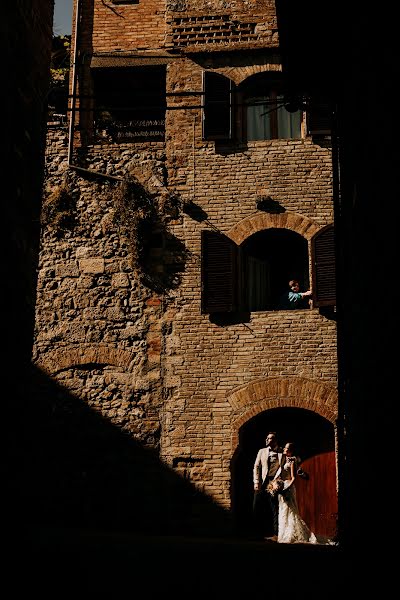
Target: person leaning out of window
293 298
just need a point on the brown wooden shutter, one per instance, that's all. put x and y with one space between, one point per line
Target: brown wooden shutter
320 117
324 267
220 273
217 115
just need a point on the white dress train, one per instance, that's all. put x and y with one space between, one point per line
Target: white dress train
291 527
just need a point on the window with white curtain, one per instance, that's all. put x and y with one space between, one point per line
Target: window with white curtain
254 110
267 117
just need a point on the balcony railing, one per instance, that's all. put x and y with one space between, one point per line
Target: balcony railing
135 130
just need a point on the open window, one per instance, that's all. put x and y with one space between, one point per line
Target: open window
265 113
254 275
254 110
130 103
270 259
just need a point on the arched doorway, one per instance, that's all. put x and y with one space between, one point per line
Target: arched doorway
314 437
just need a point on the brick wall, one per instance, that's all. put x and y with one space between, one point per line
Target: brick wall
205 361
130 26
176 24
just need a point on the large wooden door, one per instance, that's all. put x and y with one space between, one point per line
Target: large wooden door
317 495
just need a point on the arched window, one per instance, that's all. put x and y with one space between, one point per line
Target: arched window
258 109
254 110
254 275
271 258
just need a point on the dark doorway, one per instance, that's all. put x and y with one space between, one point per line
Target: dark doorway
314 438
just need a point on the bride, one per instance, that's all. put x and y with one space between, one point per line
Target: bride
291 527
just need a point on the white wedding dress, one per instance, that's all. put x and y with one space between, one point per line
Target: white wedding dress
291 527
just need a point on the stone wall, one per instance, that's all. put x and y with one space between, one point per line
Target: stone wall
92 309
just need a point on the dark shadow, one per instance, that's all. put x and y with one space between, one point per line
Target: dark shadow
78 470
158 256
227 147
83 118
99 512
269 205
329 312
194 211
311 62
311 433
230 318
163 260
114 10
258 56
322 141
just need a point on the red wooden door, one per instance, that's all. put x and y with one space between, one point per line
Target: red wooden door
317 495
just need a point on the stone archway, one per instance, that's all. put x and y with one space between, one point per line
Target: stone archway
259 221
299 410
240 74
285 236
259 396
103 380
99 354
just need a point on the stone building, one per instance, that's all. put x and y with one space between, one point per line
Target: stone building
191 185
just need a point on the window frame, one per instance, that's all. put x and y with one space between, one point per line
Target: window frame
207 105
275 102
238 109
124 109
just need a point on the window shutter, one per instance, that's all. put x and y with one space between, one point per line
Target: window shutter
324 267
220 273
217 113
320 117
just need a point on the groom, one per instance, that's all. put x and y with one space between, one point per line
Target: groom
268 466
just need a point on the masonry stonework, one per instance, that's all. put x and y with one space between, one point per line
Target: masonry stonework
147 359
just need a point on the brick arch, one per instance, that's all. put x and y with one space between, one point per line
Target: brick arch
261 221
101 354
239 74
295 392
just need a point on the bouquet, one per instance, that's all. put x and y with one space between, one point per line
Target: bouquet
275 486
